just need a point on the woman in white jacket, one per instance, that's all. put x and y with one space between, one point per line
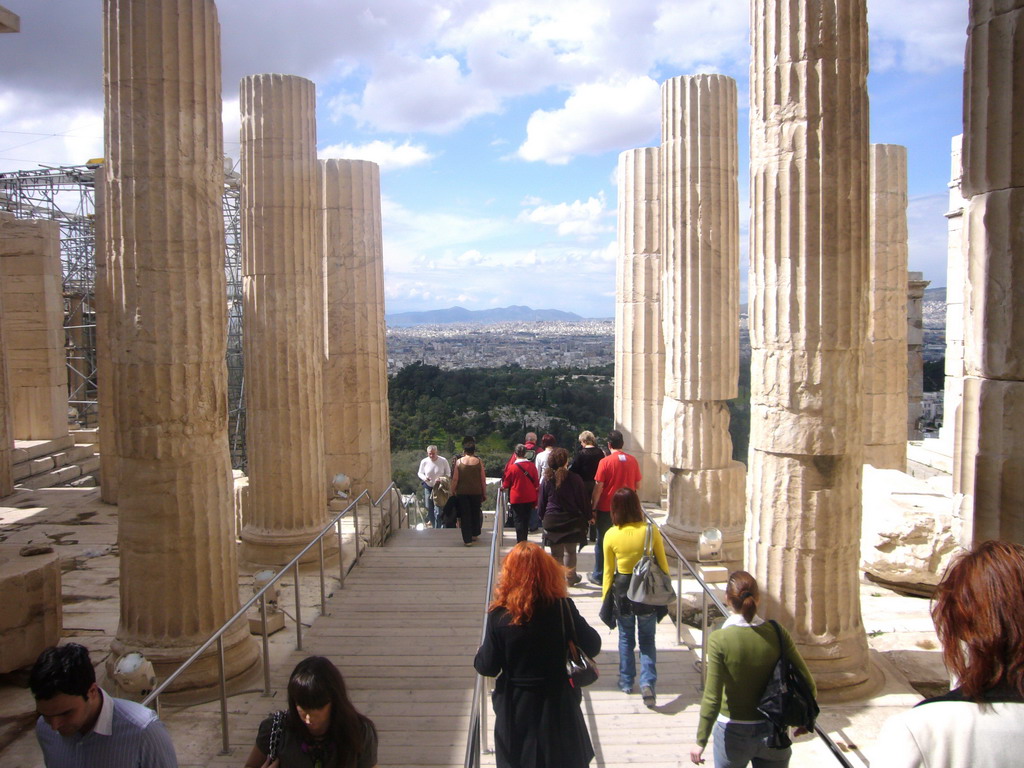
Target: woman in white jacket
979 617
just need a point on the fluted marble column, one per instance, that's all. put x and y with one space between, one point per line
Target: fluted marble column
990 460
639 350
808 269
700 309
357 441
283 318
108 432
916 287
885 348
165 255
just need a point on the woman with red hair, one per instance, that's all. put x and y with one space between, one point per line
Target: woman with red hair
538 722
979 617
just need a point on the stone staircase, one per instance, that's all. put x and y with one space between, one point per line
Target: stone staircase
67 461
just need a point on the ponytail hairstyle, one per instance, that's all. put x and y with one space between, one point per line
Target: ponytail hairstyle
742 594
556 466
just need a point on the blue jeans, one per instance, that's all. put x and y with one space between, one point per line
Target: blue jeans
433 513
628 628
738 745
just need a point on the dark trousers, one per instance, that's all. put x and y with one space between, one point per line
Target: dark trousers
521 515
470 515
604 522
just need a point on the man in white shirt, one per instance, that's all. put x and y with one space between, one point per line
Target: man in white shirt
432 469
81 726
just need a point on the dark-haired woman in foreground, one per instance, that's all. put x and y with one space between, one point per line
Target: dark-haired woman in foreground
321 728
537 717
979 617
741 657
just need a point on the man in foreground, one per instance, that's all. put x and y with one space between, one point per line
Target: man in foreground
81 726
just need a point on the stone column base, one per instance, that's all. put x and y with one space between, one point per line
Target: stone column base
708 498
269 549
201 681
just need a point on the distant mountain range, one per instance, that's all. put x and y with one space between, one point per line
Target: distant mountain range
462 315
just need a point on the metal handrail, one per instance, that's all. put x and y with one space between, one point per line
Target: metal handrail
833 747
292 565
476 741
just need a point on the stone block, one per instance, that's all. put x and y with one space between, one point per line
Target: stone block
810 403
908 532
991 467
994 311
695 434
31 619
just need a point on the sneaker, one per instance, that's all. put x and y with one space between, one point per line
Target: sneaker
574 579
648 696
627 689
594 578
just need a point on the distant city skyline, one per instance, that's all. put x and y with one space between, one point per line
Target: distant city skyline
497 125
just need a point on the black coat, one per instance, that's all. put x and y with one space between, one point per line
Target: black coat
538 722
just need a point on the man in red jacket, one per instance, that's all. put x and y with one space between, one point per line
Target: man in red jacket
617 470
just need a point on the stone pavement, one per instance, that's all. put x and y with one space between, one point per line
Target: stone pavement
83 530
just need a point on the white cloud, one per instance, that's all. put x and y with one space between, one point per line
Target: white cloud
917 35
32 137
413 94
596 118
387 154
580 218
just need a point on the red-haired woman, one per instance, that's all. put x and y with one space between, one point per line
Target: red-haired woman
979 617
538 722
741 658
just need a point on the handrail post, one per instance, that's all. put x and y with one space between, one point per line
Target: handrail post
355 524
703 638
225 745
298 612
341 559
369 516
266 645
323 586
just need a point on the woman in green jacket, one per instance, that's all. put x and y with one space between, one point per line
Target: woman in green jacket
740 660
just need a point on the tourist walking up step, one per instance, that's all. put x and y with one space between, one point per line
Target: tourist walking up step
977 612
321 727
522 482
81 726
537 718
741 658
584 463
432 469
623 547
547 442
564 512
469 488
616 470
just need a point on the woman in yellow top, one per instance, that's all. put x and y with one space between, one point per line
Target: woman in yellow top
624 546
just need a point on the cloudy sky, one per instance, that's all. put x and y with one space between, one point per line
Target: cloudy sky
497 123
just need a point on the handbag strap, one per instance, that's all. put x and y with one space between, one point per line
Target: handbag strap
563 606
778 634
649 540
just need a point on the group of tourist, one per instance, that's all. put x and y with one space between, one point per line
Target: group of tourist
977 612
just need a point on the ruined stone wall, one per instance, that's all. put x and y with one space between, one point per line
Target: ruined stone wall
33 305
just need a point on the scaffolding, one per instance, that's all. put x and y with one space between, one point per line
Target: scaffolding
66 194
